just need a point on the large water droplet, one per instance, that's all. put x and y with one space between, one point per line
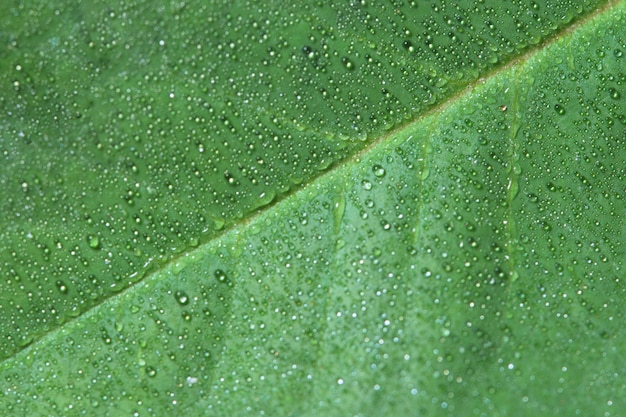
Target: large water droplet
348 64
181 298
221 276
559 109
62 287
614 94
150 371
378 170
94 242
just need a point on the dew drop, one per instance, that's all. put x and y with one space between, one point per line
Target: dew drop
614 94
378 170
513 187
150 371
348 64
94 242
533 198
559 109
367 185
181 298
62 287
229 178
221 276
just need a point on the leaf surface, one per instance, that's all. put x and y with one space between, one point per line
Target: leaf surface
248 210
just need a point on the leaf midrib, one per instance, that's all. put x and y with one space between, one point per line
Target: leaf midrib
338 166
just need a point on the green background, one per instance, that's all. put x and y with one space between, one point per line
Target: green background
312 209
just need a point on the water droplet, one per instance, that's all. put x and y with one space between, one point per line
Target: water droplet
367 185
229 178
62 287
94 242
105 336
221 276
348 64
559 109
513 187
378 170
182 298
150 371
533 198
308 52
614 94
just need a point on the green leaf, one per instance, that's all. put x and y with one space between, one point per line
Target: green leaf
312 209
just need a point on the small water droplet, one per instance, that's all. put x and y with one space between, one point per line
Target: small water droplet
513 187
150 371
105 337
367 185
182 298
559 109
62 287
221 276
348 64
614 94
94 242
378 170
229 178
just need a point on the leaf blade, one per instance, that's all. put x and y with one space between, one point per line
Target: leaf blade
337 335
